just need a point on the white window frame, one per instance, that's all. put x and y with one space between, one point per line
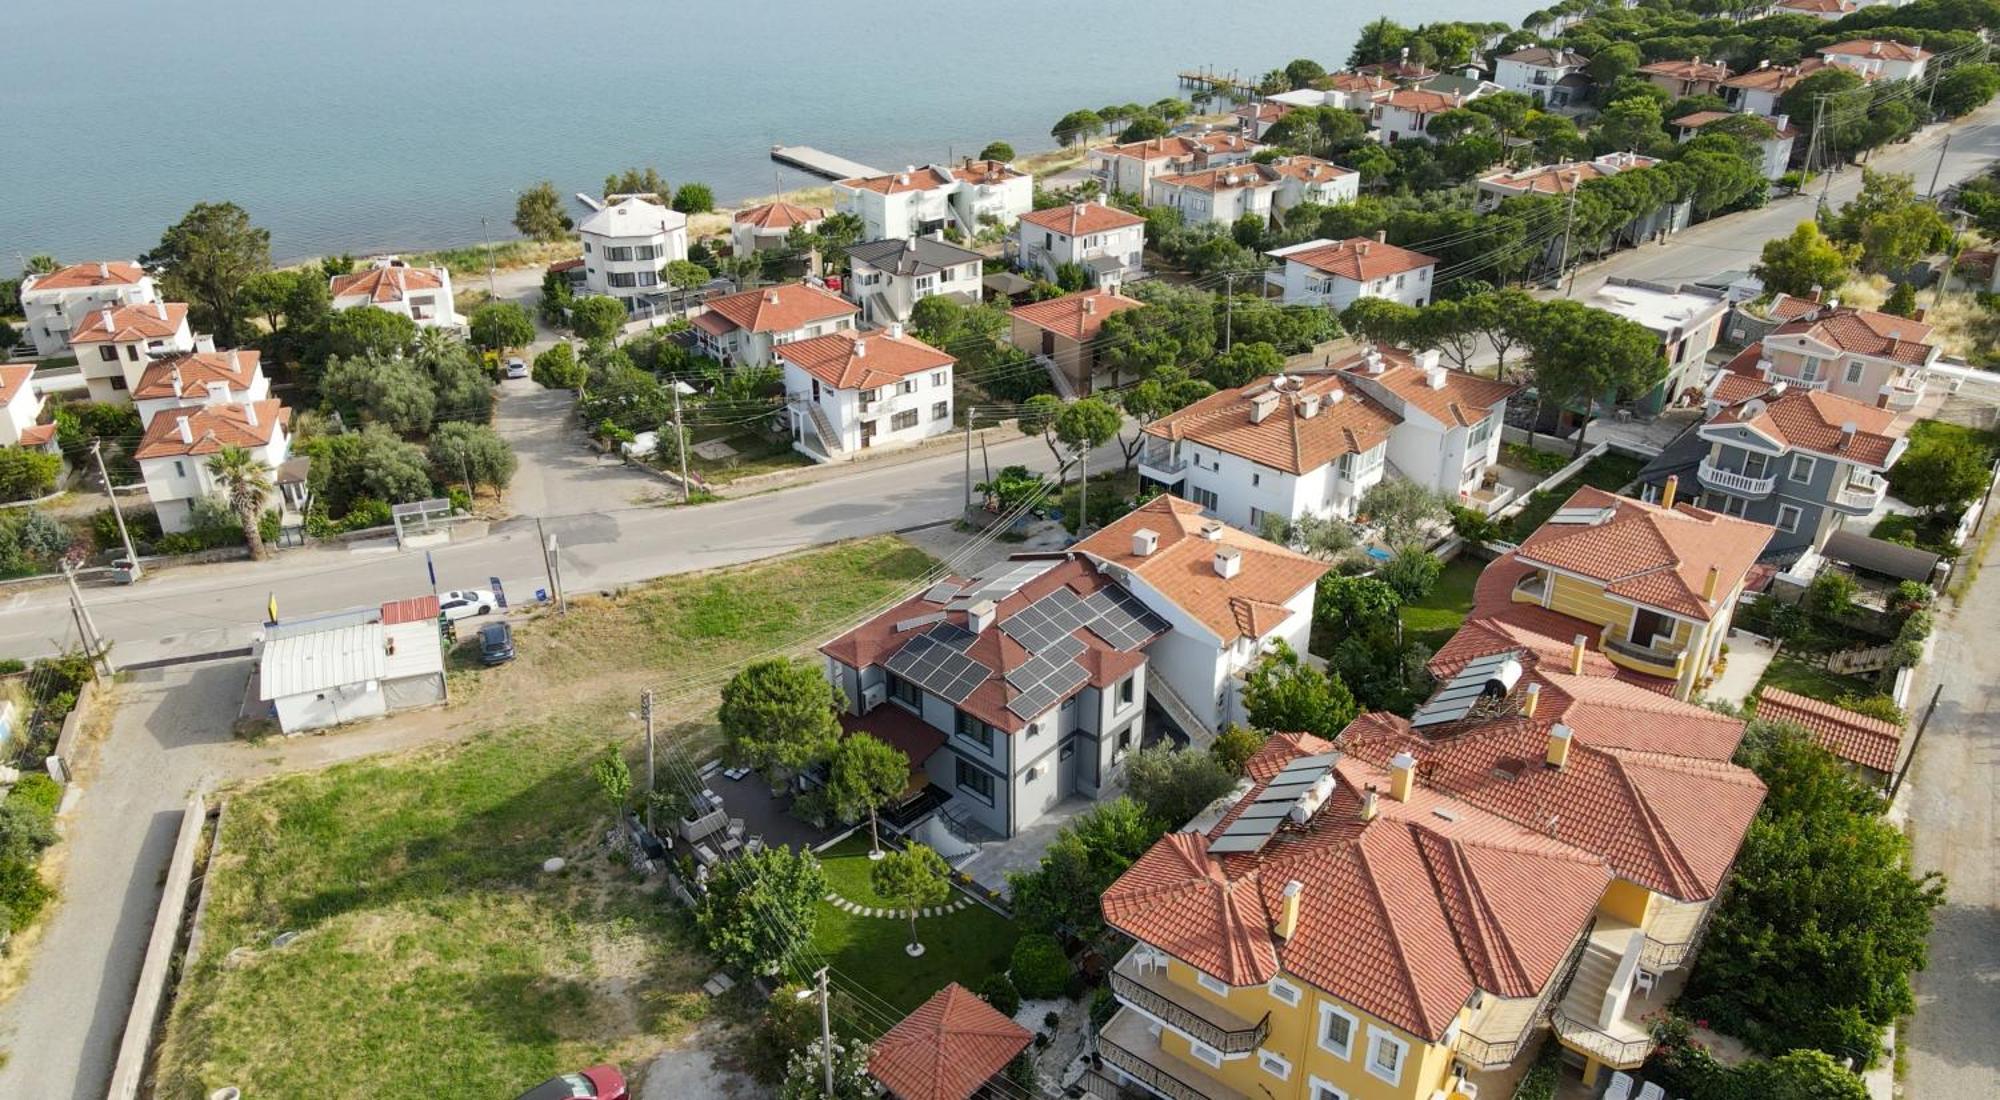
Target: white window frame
1346 1052
1798 516
1377 1038
1265 1061
1855 369
1284 992
1318 1088
1806 464
1213 985
1205 1054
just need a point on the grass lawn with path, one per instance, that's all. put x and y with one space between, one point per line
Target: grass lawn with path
1433 619
1609 471
1793 674
434 956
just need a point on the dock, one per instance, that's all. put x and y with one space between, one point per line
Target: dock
1216 80
821 163
592 201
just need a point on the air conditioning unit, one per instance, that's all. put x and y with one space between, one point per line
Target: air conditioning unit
872 696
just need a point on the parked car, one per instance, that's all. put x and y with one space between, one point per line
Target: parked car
517 367
595 1083
466 603
496 644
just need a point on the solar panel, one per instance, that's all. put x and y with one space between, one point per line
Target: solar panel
941 592
1259 822
1120 619
935 662
920 620
1580 517
1464 691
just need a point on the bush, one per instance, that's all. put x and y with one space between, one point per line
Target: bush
1539 1083
11 665
1874 706
1235 746
38 792
23 894
1413 572
1039 968
1473 525
26 474
999 992
1175 784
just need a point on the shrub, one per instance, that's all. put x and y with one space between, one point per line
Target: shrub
1413 572
22 893
1473 525
26 474
1175 784
1874 706
1235 746
1039 968
999 991
38 792
11 665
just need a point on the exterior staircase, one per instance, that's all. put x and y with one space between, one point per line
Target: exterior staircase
1061 381
1596 1015
827 440
1200 733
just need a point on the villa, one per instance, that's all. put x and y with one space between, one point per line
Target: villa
423 294
744 328
173 454
1555 77
626 244
1336 274
852 391
113 344
1061 333
52 301
1873 58
887 278
1108 243
768 226
1132 167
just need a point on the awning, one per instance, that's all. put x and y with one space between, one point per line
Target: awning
1879 556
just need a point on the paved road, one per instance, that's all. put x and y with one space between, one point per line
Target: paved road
559 473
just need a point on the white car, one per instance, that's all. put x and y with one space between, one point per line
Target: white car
467 603
517 367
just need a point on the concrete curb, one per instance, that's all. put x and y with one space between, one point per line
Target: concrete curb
135 1049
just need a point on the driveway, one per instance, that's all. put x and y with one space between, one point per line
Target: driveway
560 474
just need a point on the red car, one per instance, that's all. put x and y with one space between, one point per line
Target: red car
595 1083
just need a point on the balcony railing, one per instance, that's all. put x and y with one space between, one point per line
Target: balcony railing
1155 1000
1647 659
1730 481
1531 588
1609 1049
1674 933
1163 461
1148 1074
1802 383
1861 492
1497 1052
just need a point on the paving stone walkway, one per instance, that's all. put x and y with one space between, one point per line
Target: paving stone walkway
859 910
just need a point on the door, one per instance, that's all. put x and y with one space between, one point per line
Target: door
1647 624
1049 344
1756 464
867 433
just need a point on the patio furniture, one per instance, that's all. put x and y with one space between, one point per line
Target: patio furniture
731 846
1643 981
734 774
1652 1091
754 845
706 855
735 828
1620 1087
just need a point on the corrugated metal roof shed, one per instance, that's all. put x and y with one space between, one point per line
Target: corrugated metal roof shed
418 650
1880 556
317 654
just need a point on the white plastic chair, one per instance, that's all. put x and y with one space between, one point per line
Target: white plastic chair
1620 1087
1652 1091
1643 981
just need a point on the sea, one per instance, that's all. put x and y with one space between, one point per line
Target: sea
377 125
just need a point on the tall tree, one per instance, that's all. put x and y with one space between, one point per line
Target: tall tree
539 213
779 716
1284 694
1803 262
915 878
694 198
499 325
760 907
639 181
1584 356
472 453
1176 784
1082 426
1169 390
247 483
205 259
865 773
598 317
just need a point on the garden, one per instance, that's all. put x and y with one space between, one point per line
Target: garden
1830 619
1608 471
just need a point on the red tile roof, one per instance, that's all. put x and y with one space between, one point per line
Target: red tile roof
37 435
1355 84
1358 258
1078 316
189 374
1863 332
87 276
784 308
1453 397
897 183
416 609
1700 119
984 172
213 427
386 284
1872 743
1344 421
778 215
1819 7
1876 47
1534 634
1695 69
1779 79
13 377
1308 169
1655 556
1816 421
1561 179
945 1050
1229 178
125 324
1079 219
862 360
1422 101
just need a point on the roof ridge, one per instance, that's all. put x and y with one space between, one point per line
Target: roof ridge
1675 866
1366 865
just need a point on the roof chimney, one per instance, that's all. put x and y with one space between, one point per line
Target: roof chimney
1308 405
108 327
1434 376
1710 582
1559 737
1402 776
218 390
1429 359
1668 490
250 413
1089 305
1212 531
1369 809
1374 361
1382 236
235 360
1262 405
1531 699
980 616
1228 562
1288 914
181 429
896 330
160 308
103 270
860 347
1144 541
1576 655
771 296
1847 430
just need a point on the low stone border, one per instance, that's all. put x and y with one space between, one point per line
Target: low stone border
158 970
847 906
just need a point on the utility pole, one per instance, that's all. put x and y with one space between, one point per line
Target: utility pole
1569 225
1228 309
646 712
124 536
1910 760
465 467
547 543
491 290
970 412
1826 172
1939 170
680 439
825 1030
86 627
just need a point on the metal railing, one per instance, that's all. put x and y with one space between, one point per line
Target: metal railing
1148 1074
1487 1054
1657 955
1609 1049
1187 1020
1733 481
1662 658
1163 461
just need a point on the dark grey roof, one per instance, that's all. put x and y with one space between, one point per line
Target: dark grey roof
916 256
1880 556
1678 458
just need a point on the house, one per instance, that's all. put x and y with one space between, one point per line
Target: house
173 453
850 391
1654 586
1402 70
113 344
1353 91
1108 243
1311 443
21 407
767 226
743 328
1553 76
990 193
1682 79
1872 745
1688 322
1824 10
1130 168
1337 273
1776 149
888 277
1407 113
1759 90
423 294
1860 354
52 301
1063 334
1218 196
1395 917
1451 420
1031 681
331 669
198 378
1560 179
910 203
1228 596
1303 179
1878 58
626 244
950 1048
1256 117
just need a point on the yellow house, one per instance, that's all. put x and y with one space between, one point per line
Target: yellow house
1348 931
1653 586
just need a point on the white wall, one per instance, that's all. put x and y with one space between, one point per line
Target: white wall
1047 250
1304 285
51 314
316 710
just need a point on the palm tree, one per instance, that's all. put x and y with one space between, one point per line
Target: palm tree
248 482
434 346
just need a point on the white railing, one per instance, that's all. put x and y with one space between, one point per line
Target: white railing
1731 481
1801 383
1862 491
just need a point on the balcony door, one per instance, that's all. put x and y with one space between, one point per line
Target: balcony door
1756 464
1648 624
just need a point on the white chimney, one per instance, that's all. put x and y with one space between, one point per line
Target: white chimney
1262 405
771 297
1374 361
218 392
1847 434
1212 531
235 360
980 616
1228 562
860 347
1428 359
1434 377
108 327
896 330
1144 541
250 413
103 270
181 429
1309 405
1089 306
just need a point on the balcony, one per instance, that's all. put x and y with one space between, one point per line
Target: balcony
1902 394
1792 382
1149 990
1734 483
1502 1027
1597 1015
1860 493
1673 932
1162 464
1663 661
1128 1045
1533 588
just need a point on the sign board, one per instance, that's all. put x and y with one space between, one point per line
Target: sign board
499 593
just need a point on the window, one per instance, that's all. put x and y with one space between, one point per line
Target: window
937 378
1481 432
1336 1031
1274 1065
1284 992
1323 1091
1385 1055
868 397
940 410
1203 497
1789 516
907 385
1125 692
1257 517
1219 988
1206 1053
1802 467
975 731
180 468
1854 371
902 420
1810 371
108 353
132 352
1256 478
975 782
904 691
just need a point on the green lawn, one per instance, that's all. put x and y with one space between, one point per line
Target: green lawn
1433 619
966 947
1794 675
1924 532
756 453
1607 471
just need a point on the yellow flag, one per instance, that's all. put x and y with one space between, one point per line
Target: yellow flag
272 609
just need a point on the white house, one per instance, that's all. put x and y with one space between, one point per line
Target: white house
1107 242
625 245
1875 57
1687 321
1776 150
1310 443
199 378
1132 167
1217 196
743 328
1407 113
1553 76
1826 11
765 226
910 203
1354 91
1337 273
990 193
853 391
423 294
1758 91
52 302
113 345
1304 179
1449 436
328 670
887 278
173 453
20 407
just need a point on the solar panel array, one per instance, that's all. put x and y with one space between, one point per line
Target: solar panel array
1458 697
1121 619
1038 625
1043 679
935 661
1583 517
1259 821
941 592
1000 587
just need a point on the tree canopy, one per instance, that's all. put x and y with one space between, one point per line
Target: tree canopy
1802 262
779 716
759 907
1175 784
498 325
864 774
205 260
1285 694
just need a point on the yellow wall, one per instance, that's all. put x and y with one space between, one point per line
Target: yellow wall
1626 901
1583 600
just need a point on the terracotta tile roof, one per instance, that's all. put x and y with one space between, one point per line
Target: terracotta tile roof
1742 378
1863 332
1779 79
189 374
1223 141
1422 102
1182 567
1308 169
862 360
945 1050
1397 70
1535 635
896 183
985 172
1403 916
416 609
37 435
1454 397
784 308
1078 219
1548 57
1872 743
1786 307
125 324
1876 48
1651 555
386 284
1159 148
1813 420
898 728
87 276
1700 119
1694 69
1078 316
1358 258
778 215
1356 84
13 377
1264 111
1231 178
1286 439
1560 179
1819 7
213 427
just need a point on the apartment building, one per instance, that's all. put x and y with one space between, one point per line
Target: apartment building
887 278
854 391
1860 354
423 294
1131 168
1686 320
1336 274
918 202
52 302
625 244
745 328
1108 243
990 193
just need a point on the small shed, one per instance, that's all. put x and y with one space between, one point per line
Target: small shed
1871 744
948 1049
1891 559
326 670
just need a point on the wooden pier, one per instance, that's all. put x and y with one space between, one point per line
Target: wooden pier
1217 80
821 163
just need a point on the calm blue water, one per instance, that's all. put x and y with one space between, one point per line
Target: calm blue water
358 125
